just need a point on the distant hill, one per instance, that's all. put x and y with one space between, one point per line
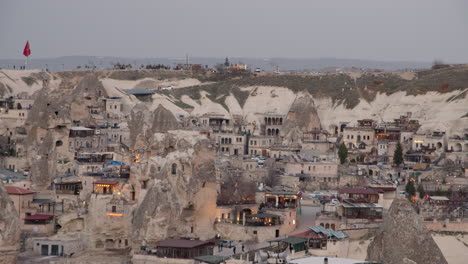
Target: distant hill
265 64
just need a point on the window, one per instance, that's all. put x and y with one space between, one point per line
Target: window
114 209
174 169
255 232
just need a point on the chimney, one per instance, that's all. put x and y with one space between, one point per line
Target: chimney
325 261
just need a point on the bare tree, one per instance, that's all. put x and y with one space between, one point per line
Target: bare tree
234 189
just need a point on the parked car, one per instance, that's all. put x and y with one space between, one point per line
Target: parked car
227 243
167 88
316 194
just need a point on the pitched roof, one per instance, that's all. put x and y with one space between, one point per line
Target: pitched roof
105 182
358 191
183 243
211 259
329 232
17 190
39 217
139 92
310 234
293 240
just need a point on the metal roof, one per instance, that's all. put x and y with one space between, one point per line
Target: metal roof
329 232
39 217
293 240
139 92
17 190
42 201
211 259
81 128
183 243
347 204
357 191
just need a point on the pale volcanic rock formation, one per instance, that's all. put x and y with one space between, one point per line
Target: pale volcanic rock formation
303 114
49 121
163 120
9 228
182 197
403 238
143 124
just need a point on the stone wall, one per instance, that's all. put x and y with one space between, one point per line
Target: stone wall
447 226
150 259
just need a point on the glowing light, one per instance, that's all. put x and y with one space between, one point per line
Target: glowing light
419 141
294 221
114 214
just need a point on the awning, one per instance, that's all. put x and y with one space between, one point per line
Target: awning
114 162
39 217
211 259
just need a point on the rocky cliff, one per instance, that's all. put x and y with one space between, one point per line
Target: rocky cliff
9 228
437 98
181 200
404 239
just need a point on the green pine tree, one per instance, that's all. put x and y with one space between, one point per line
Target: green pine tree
398 155
421 191
409 189
343 153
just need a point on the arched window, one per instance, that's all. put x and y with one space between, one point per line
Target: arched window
174 169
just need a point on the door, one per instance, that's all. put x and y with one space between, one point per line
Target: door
277 233
44 250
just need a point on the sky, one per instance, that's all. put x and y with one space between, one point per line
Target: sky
396 30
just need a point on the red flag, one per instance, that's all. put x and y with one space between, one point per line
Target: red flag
27 50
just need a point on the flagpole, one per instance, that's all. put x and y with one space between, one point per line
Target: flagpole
26 62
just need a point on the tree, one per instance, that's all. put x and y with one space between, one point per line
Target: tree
398 155
421 191
409 188
226 62
272 178
343 153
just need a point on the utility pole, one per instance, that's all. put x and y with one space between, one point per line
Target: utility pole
186 61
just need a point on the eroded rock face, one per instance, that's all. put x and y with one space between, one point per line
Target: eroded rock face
303 114
50 120
9 228
163 120
182 200
404 238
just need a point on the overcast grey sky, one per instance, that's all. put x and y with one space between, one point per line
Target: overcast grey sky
421 30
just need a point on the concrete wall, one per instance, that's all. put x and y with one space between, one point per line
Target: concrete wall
246 233
337 248
150 259
69 246
447 226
